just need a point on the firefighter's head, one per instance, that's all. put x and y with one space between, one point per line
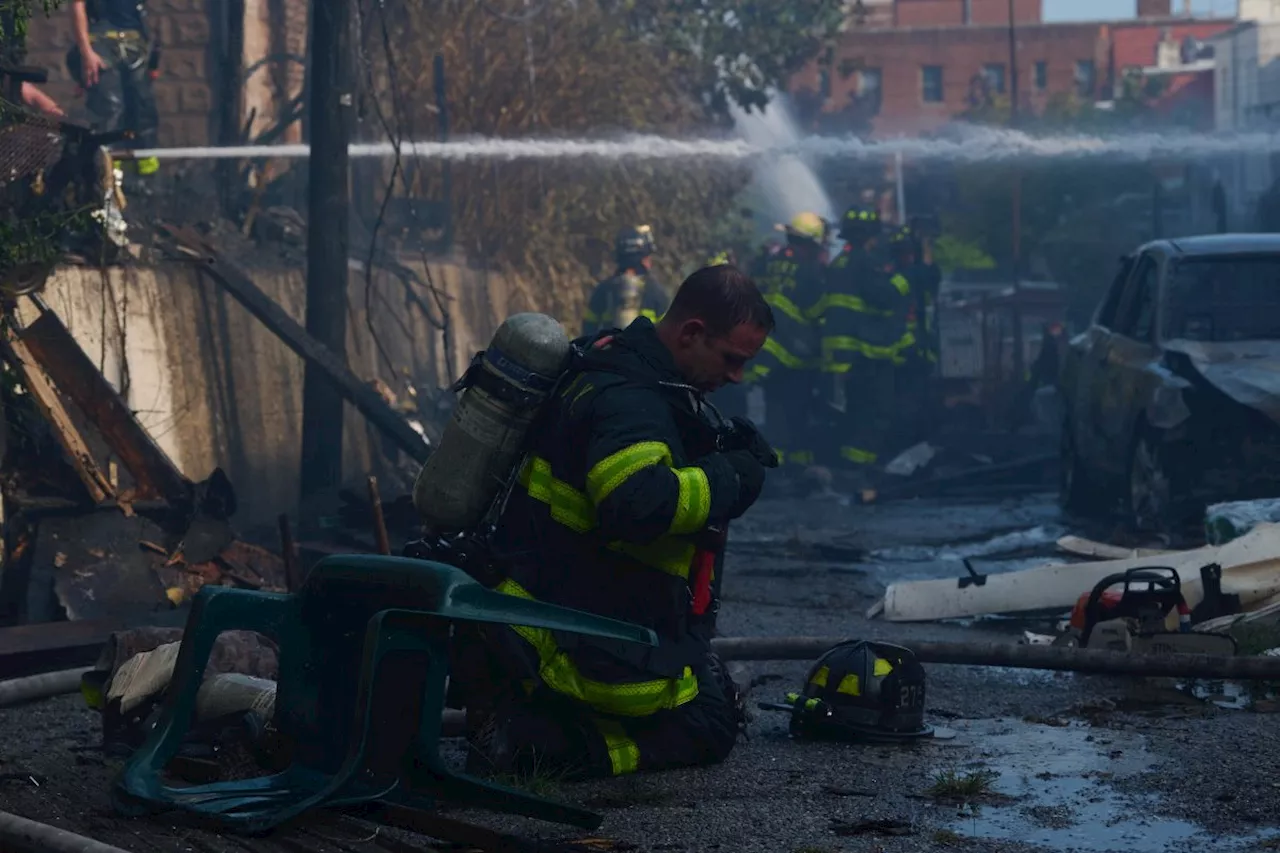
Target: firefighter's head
717 323
860 225
904 245
806 233
633 248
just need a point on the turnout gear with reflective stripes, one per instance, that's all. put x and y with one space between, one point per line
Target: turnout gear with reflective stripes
620 511
790 284
550 734
619 300
864 311
862 321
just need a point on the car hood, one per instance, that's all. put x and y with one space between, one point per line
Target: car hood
1246 371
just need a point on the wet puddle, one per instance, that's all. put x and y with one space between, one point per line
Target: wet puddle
1054 791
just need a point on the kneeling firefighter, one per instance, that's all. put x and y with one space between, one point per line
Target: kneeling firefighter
620 508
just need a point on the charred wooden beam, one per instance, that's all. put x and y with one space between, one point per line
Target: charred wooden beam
75 375
15 350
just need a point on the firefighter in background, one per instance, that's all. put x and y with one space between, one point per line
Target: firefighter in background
632 291
862 324
918 356
791 280
115 59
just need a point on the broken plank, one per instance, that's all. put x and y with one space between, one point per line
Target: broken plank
51 408
75 375
236 282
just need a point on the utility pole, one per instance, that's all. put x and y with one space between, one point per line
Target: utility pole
330 106
1019 367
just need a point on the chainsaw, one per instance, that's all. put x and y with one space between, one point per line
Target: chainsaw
1133 612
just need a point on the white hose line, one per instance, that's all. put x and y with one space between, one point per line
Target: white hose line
43 686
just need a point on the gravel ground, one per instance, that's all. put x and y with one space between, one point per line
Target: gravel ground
1075 763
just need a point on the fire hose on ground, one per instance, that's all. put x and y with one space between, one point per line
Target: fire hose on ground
19 835
1085 661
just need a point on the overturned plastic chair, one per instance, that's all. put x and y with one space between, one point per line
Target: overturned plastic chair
364 654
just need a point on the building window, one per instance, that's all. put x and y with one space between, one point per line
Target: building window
869 89
1086 78
931 84
993 73
1042 76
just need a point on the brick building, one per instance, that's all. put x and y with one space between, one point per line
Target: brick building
910 66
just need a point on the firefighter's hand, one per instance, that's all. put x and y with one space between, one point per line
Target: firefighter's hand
38 100
91 67
754 441
750 479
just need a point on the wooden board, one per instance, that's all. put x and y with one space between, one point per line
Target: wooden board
51 408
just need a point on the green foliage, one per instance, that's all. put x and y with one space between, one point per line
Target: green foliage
952 253
604 67
726 51
37 239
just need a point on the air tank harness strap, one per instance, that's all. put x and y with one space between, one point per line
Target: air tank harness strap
505 379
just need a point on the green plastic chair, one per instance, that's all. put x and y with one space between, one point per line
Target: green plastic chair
363 669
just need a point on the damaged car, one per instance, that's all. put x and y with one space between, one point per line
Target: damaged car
1172 394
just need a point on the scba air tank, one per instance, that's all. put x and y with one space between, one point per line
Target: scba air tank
503 392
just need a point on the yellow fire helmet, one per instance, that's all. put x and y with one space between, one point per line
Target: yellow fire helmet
808 225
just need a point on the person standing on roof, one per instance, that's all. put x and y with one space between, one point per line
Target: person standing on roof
791 280
115 60
622 510
633 291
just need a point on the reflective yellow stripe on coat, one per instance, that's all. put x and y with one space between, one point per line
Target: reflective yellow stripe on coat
671 554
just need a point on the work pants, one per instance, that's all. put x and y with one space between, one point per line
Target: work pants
525 728
124 97
788 415
866 429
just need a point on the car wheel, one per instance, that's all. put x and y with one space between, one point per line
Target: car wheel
1151 487
1075 494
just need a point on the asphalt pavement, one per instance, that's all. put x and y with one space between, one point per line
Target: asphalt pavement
1031 761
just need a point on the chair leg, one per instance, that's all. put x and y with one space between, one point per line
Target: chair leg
215 610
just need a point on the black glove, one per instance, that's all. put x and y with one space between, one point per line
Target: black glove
753 441
750 473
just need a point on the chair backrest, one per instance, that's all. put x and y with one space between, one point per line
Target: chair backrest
320 665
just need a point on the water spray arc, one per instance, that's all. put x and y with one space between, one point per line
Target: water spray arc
967 145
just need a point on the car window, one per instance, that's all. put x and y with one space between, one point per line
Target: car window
1224 299
1138 316
1111 303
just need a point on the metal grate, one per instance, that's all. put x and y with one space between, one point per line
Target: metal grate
29 143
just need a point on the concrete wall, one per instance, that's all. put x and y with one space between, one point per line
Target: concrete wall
216 389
